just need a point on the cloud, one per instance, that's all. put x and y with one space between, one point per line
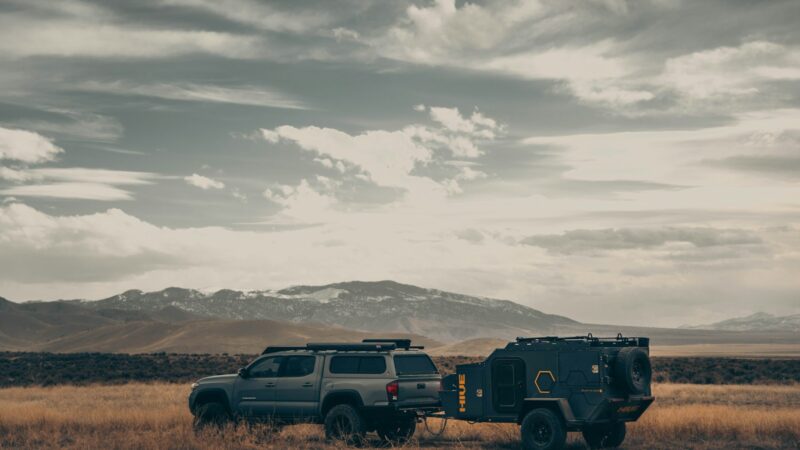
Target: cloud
26 146
203 183
303 202
263 16
581 241
90 36
72 124
80 191
36 247
730 71
768 165
75 183
244 95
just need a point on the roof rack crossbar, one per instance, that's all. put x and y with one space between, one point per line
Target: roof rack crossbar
399 342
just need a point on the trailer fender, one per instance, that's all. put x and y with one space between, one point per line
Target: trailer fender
558 405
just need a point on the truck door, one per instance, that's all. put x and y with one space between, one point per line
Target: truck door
255 395
508 384
297 393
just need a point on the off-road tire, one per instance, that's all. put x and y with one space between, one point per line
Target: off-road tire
344 423
397 431
542 429
211 414
632 370
606 436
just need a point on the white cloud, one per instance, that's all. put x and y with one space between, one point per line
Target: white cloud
345 34
390 158
22 37
387 156
14 175
302 203
730 71
204 183
81 191
26 146
75 182
264 16
243 95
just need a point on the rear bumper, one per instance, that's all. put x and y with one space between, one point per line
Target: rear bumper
620 409
387 408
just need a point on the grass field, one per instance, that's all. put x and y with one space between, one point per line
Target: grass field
155 416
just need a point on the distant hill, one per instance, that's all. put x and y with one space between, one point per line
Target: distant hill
756 322
72 327
382 306
471 347
206 336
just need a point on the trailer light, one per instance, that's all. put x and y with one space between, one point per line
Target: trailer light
392 390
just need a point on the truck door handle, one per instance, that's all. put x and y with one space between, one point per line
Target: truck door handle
308 384
269 385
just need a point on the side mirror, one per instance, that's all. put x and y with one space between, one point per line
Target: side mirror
242 372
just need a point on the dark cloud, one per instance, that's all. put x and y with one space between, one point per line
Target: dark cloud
780 166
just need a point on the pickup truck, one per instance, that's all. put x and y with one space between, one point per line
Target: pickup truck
380 385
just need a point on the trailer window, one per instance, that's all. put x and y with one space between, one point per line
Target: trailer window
414 365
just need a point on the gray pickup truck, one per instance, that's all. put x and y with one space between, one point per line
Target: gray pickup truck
380 385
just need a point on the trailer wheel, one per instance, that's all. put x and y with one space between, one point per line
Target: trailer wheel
542 429
606 436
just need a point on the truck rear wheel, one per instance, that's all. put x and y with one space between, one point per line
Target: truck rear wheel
211 414
542 429
397 431
606 436
343 422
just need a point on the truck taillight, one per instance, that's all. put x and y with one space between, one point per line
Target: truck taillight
392 390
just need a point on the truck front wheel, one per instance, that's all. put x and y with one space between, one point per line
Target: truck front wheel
397 431
211 414
606 436
542 429
343 422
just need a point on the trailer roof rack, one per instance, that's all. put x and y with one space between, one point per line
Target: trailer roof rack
342 347
618 341
405 344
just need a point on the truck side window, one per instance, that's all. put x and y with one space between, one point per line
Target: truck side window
358 364
298 366
266 368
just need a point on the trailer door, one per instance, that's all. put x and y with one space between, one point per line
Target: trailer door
508 384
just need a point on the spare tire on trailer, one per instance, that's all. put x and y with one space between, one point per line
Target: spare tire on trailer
632 370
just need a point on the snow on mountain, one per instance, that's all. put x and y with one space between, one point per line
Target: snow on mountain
369 306
760 321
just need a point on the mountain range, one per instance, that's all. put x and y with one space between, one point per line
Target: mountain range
367 306
755 322
232 321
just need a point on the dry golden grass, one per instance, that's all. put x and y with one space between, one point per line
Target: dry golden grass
155 416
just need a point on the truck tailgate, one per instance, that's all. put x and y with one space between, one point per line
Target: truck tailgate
419 380
418 390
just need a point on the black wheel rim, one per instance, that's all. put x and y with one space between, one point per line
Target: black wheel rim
542 432
342 427
637 372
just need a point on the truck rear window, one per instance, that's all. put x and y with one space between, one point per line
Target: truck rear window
414 365
358 364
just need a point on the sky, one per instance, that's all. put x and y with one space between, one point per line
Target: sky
616 162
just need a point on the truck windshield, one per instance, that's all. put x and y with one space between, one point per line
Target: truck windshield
414 365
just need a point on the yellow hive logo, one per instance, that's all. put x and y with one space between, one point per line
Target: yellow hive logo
462 393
